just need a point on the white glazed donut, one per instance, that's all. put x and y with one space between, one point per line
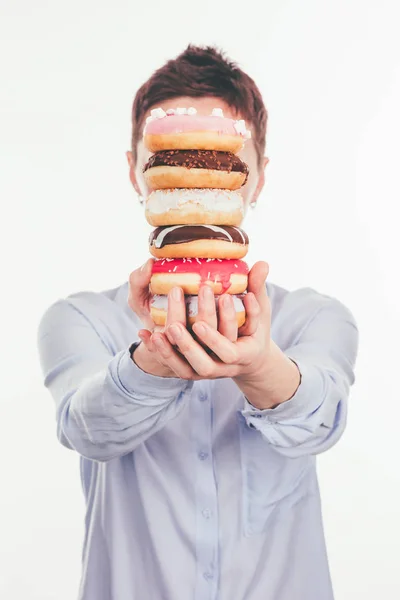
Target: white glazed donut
200 206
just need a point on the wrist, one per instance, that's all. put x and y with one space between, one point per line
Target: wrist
147 363
275 381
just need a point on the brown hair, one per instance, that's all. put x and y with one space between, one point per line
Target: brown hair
202 71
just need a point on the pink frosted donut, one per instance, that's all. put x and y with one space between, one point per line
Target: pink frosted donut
184 129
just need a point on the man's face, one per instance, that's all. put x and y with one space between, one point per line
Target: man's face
204 106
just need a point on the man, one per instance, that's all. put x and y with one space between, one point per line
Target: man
198 468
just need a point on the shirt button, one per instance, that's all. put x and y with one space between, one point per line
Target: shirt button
206 513
208 576
203 455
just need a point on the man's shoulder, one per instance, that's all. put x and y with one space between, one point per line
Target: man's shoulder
92 305
293 310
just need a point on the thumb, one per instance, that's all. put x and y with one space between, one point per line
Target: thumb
257 279
139 293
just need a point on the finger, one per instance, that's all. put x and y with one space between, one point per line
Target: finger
222 347
145 336
170 358
196 356
257 284
176 307
207 310
227 319
253 312
139 293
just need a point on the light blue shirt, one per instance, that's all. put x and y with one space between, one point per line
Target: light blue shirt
192 493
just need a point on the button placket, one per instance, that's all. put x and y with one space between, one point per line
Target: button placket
206 498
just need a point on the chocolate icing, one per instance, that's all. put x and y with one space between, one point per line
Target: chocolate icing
198 159
180 234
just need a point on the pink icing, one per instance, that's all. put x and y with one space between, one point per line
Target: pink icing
183 123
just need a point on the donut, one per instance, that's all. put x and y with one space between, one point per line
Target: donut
222 275
198 241
195 169
187 206
159 308
184 129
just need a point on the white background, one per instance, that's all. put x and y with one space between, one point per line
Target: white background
330 75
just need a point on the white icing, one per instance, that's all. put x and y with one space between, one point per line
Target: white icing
158 113
217 112
192 111
160 238
161 201
240 232
181 111
192 303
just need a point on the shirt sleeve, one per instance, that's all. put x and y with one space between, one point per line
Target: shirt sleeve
315 417
105 404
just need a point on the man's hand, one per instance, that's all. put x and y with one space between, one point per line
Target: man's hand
264 374
146 355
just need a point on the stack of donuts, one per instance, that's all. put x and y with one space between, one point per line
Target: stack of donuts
195 204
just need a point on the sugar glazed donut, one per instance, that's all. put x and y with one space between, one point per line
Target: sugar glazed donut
195 169
159 309
184 129
198 241
187 206
190 273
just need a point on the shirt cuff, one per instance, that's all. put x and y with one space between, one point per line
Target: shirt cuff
307 399
139 383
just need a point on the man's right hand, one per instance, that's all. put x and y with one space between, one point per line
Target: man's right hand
148 355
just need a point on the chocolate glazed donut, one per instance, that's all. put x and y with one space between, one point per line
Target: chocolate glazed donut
195 168
198 241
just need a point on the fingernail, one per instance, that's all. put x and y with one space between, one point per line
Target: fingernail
177 294
158 342
176 331
200 329
208 294
227 303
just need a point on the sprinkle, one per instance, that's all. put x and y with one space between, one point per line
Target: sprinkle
199 261
184 260
192 111
169 270
208 276
163 262
219 259
209 260
217 112
181 111
189 259
174 269
235 265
